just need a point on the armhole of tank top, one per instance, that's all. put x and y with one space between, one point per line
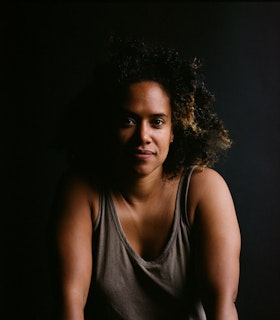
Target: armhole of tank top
100 206
188 179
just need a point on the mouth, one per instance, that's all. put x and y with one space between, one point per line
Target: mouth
143 152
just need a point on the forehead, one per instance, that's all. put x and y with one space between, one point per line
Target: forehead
147 96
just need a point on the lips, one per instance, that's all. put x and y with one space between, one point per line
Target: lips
144 152
143 155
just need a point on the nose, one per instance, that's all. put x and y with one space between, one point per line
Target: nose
144 132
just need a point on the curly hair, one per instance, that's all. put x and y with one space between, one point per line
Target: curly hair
199 134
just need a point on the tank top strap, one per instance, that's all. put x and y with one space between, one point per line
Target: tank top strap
101 208
184 190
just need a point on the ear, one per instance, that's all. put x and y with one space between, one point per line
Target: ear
171 137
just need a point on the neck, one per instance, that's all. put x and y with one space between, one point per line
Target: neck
140 188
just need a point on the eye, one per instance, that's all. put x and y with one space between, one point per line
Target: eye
157 122
127 122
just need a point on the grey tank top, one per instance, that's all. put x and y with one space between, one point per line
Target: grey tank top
125 286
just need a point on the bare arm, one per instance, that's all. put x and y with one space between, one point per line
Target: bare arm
217 244
72 252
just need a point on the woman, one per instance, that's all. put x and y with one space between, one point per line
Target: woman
144 228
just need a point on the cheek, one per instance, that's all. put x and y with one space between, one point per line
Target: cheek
124 136
165 139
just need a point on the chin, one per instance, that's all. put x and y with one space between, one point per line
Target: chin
145 171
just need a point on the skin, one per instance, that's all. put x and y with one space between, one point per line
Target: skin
145 130
144 135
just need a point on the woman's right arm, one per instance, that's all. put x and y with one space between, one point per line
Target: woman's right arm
71 249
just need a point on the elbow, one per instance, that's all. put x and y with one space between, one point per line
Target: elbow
221 307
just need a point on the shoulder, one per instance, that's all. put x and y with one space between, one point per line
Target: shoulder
77 190
208 190
205 179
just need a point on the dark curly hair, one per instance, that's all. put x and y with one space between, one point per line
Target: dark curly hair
199 135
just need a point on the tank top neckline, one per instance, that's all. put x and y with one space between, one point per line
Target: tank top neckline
174 229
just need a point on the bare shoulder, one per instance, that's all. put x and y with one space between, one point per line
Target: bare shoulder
208 191
77 191
206 177
206 182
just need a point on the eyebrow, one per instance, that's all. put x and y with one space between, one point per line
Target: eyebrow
160 115
154 115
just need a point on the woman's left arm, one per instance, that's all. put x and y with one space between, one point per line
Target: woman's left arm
217 245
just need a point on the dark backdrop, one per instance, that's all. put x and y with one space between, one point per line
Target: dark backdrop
47 53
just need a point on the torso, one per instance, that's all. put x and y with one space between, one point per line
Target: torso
143 240
147 224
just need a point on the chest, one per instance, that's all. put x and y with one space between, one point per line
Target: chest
147 227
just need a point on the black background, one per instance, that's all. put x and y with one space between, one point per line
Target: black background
47 52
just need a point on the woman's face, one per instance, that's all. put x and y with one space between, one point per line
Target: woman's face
144 128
